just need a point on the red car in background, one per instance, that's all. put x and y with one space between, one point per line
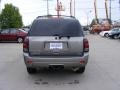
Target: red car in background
13 35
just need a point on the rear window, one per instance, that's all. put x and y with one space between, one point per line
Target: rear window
54 27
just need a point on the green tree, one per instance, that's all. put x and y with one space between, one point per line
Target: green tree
10 17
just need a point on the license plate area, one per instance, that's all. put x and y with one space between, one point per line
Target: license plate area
56 46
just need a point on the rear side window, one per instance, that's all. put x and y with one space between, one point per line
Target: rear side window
13 31
5 31
52 27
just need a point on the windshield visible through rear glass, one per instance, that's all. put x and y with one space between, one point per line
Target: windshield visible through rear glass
56 27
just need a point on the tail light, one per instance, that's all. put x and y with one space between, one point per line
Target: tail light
26 45
86 45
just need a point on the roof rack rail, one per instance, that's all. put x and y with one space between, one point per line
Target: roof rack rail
54 15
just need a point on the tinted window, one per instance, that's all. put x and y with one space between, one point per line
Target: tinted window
115 30
13 31
5 31
51 27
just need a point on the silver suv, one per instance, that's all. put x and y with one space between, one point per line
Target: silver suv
55 43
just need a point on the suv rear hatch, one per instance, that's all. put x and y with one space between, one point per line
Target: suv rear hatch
56 37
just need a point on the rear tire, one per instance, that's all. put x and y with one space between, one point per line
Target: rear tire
31 70
115 37
80 70
20 40
119 36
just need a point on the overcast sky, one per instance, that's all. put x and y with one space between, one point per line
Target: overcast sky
30 9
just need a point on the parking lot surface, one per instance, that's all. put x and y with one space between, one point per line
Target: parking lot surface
102 71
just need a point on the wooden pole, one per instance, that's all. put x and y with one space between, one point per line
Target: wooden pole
58 8
106 9
95 7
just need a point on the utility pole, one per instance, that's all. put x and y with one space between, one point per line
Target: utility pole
95 7
47 8
58 8
110 13
70 7
74 8
106 8
47 1
110 10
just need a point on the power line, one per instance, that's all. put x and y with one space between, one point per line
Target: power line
69 8
98 8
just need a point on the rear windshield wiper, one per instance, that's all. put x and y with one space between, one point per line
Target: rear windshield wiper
60 36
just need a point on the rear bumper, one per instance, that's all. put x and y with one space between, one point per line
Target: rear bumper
46 61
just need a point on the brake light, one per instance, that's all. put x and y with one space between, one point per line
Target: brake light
86 45
26 45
